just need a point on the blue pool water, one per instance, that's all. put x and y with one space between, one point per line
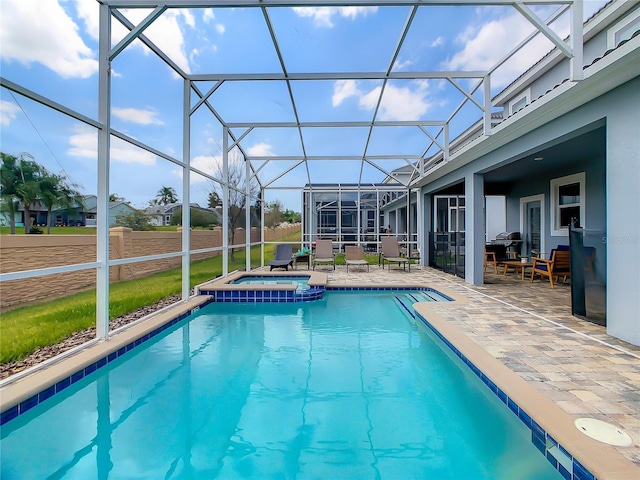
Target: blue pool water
348 387
301 282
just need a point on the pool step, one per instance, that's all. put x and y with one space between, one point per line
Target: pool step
408 309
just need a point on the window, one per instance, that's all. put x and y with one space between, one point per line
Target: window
519 102
623 30
567 202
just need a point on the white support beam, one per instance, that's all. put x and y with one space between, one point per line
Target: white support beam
225 201
104 147
135 32
465 93
310 3
577 41
247 215
355 124
205 97
487 105
543 28
331 76
186 190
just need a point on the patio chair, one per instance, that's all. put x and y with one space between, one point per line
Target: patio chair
556 266
495 254
324 253
354 255
284 254
391 253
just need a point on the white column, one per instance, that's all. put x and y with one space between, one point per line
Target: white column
186 191
102 207
225 200
247 226
474 229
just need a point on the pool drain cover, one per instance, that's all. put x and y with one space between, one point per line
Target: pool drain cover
603 432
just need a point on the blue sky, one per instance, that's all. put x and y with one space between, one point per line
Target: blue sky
51 46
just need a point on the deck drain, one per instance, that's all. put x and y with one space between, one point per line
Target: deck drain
603 432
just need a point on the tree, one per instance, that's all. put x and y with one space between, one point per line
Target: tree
237 188
273 215
114 197
135 220
8 183
166 195
55 190
291 217
27 190
214 200
198 218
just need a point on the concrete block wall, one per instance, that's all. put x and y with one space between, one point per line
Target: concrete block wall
29 252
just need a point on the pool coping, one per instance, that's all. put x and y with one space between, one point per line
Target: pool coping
535 410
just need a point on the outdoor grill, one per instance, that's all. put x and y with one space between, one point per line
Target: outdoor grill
508 239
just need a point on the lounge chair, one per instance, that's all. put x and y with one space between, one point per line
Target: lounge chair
284 254
354 255
391 253
324 253
559 265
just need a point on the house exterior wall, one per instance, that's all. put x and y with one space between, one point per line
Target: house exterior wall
618 201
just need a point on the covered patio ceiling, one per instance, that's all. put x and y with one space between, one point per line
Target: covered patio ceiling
406 104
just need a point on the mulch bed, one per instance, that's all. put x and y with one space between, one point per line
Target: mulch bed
45 353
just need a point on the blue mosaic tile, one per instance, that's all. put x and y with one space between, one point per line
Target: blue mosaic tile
513 406
526 419
551 440
539 444
552 460
77 376
566 474
563 450
538 431
62 384
28 404
90 368
9 414
581 473
46 393
112 356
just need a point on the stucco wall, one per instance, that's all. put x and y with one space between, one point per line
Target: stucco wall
29 252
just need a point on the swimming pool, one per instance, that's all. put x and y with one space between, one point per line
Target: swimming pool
286 391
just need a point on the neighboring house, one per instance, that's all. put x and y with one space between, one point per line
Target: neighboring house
160 215
119 207
563 149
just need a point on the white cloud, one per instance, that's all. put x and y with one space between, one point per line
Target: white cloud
486 43
84 143
189 19
398 65
89 13
136 115
165 32
323 16
398 103
260 150
208 15
57 44
437 42
220 28
8 112
342 90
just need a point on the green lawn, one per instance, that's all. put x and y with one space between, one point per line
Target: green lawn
24 329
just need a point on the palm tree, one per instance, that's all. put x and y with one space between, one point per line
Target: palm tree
55 190
27 190
8 183
166 195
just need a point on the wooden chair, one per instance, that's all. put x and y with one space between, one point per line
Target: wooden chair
559 265
495 254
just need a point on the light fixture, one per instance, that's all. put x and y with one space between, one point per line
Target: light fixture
537 159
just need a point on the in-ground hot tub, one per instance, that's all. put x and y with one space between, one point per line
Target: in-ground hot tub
267 287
